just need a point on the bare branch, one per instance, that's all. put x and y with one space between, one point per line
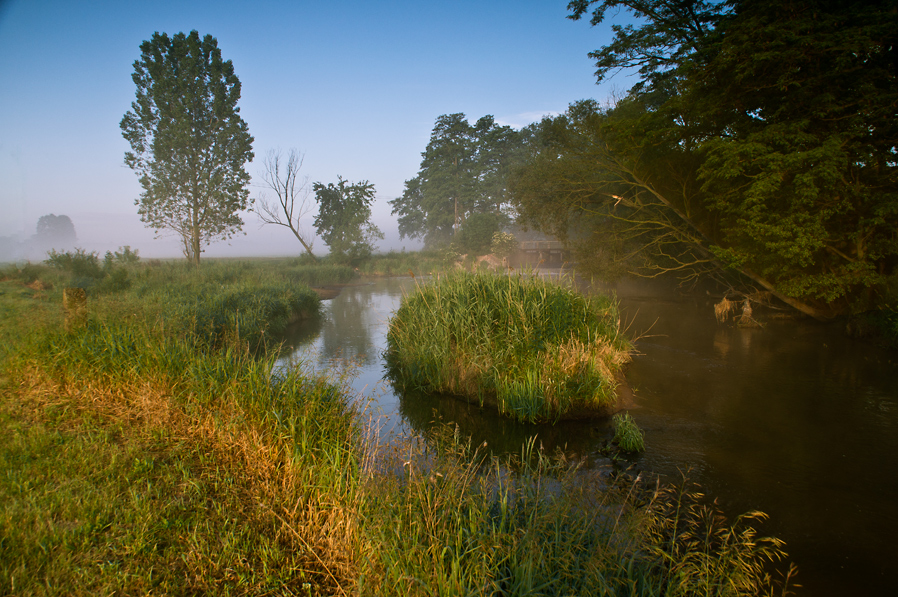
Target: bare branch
293 193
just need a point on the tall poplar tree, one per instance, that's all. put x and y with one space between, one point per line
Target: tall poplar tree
189 145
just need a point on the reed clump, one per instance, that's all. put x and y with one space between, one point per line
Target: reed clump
441 517
627 434
534 349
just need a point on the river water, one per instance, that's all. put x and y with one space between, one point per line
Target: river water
793 419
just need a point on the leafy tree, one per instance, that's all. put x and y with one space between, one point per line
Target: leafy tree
292 195
463 171
189 145
760 140
477 232
55 229
621 202
668 33
800 161
344 218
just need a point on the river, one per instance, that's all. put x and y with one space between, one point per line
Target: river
793 419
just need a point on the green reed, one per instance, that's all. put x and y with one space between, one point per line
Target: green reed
447 519
627 434
536 349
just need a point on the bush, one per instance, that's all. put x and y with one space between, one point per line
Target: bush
503 244
81 264
26 274
124 256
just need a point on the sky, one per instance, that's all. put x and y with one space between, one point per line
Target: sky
355 86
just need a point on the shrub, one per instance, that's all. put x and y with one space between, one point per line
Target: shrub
79 263
124 256
503 244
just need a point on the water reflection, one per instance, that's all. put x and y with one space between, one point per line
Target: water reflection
793 419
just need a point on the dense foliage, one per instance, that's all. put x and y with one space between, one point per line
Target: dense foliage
463 172
759 143
189 144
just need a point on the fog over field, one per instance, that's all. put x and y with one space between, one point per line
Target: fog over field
355 86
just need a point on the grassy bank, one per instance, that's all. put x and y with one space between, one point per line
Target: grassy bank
403 263
150 450
536 350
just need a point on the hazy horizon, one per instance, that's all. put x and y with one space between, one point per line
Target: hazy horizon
356 87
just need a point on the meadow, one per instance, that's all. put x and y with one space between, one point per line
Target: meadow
148 447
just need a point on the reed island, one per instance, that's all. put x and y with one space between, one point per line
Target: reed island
534 349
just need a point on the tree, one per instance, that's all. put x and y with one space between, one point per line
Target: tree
343 220
595 179
800 160
669 32
53 229
477 233
189 145
292 195
759 141
463 171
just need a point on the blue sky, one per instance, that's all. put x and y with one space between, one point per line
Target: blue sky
355 86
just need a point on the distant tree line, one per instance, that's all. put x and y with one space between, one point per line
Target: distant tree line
190 147
757 146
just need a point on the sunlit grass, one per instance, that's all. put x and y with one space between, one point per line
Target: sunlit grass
146 451
536 350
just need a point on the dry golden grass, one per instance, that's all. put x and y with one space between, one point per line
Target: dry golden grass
269 490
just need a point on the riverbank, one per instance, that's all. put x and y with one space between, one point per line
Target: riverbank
153 449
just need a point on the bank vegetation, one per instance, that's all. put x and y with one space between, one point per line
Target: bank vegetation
149 446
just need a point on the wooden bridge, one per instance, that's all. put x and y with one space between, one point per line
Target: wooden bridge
551 253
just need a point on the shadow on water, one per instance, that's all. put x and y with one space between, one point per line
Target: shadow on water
793 419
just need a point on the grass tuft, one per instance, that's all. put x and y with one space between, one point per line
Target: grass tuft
536 350
627 434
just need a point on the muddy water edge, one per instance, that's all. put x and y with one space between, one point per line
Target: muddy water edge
794 419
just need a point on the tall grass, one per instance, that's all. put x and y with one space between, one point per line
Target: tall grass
143 456
448 520
145 453
535 349
401 263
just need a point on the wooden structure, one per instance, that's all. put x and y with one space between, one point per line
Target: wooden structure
545 253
